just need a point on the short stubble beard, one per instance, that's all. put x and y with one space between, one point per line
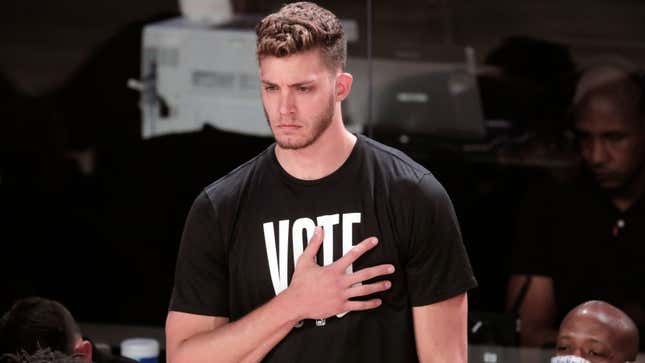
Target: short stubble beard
320 125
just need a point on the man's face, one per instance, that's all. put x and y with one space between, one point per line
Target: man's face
298 94
587 336
612 144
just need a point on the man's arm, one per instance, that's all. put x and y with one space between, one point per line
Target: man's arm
440 330
315 292
199 338
537 311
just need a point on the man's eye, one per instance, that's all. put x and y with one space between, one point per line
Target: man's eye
582 138
594 353
304 89
614 137
562 348
270 88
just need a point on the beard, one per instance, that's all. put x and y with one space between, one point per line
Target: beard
622 184
317 126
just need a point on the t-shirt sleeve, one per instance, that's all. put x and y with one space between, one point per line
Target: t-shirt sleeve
437 266
201 274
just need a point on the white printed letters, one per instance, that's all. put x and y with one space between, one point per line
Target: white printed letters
278 258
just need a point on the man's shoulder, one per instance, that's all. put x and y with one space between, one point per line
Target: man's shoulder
392 160
407 181
233 182
561 194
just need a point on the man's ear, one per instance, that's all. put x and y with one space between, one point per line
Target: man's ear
343 85
83 350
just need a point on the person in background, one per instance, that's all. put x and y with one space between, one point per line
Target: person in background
34 323
583 240
392 267
597 332
44 355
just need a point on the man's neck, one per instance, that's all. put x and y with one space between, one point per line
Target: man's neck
321 158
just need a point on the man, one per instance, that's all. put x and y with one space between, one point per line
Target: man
583 240
33 323
599 333
44 355
384 274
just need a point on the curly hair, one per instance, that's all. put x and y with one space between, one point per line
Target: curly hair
299 27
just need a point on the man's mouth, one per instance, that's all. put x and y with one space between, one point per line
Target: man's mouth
605 177
602 174
288 126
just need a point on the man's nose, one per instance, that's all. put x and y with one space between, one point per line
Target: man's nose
596 152
579 353
287 105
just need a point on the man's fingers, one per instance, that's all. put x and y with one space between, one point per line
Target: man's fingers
356 252
314 244
367 289
362 305
370 273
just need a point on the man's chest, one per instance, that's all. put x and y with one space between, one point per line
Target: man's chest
598 254
269 238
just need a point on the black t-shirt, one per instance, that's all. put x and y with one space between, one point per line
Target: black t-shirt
246 230
592 251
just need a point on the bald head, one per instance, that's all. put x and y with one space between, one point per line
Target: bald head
617 94
598 76
598 332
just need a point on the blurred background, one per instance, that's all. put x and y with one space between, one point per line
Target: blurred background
93 195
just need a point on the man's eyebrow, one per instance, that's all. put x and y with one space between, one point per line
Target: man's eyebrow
303 83
297 84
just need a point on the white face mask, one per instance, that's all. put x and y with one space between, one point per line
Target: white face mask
568 359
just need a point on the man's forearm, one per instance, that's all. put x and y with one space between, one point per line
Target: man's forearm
248 339
261 351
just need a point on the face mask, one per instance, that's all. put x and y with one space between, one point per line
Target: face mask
568 359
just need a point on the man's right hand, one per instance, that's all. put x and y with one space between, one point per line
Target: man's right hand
318 292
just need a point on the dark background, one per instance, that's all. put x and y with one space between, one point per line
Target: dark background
104 243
